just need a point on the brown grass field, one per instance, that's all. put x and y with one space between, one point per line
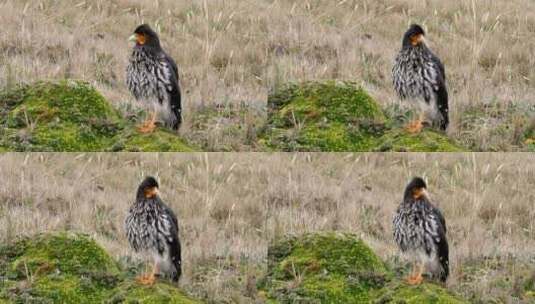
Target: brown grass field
230 206
231 53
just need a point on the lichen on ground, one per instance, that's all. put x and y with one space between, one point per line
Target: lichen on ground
338 268
71 116
71 268
338 116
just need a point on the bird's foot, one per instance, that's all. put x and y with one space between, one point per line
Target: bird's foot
410 278
415 127
146 279
147 127
142 278
415 280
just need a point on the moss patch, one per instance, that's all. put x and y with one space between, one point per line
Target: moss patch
130 292
71 268
337 268
397 292
338 116
158 141
529 139
399 140
71 116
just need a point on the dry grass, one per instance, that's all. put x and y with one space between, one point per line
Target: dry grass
232 205
231 52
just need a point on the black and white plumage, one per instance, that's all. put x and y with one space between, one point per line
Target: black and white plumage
152 77
152 227
420 233
419 75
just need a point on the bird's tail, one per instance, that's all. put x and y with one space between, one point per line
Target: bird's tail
177 262
178 119
176 108
443 259
445 265
443 108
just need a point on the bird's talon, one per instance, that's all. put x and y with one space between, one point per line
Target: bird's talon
147 280
142 279
418 280
415 127
151 280
147 127
414 279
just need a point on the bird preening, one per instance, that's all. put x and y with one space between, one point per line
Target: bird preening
152 77
152 228
419 76
420 233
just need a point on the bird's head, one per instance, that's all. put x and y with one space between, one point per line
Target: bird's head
416 189
414 36
148 188
145 36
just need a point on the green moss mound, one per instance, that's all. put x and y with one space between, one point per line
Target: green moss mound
130 292
158 141
71 268
71 116
337 268
338 116
529 140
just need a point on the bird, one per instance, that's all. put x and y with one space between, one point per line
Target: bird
420 233
152 227
419 75
152 77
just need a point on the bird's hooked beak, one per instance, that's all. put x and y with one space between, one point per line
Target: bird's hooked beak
418 193
417 39
151 192
137 38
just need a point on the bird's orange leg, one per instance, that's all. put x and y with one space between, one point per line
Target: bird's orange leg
416 126
143 277
417 279
149 125
412 275
149 279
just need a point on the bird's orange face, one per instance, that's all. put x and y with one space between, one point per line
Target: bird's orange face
417 39
419 193
140 39
150 192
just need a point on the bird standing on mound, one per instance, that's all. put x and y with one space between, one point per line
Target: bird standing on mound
152 77
152 227
420 233
419 75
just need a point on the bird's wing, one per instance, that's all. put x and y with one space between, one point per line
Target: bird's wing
131 233
173 65
175 250
397 81
441 242
397 230
441 92
441 218
173 89
440 66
